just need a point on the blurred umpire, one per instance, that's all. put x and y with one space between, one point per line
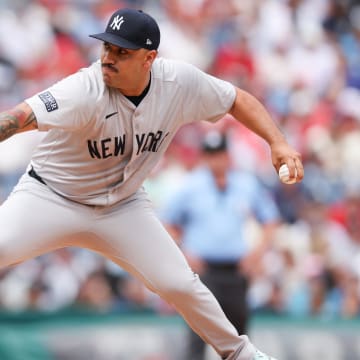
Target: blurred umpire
207 216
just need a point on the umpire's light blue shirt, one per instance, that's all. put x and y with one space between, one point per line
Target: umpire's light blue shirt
213 221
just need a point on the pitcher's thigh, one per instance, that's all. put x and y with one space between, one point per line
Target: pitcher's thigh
31 225
137 241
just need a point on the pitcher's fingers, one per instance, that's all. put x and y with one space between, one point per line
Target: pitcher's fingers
299 169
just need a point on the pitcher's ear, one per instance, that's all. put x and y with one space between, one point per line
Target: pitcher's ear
150 57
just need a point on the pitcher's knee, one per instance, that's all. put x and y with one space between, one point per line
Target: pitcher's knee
6 254
178 286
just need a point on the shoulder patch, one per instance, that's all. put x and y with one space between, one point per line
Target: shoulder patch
49 101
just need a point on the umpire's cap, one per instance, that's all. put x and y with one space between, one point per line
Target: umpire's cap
131 29
214 142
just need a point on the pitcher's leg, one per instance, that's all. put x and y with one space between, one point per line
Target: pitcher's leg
138 242
33 221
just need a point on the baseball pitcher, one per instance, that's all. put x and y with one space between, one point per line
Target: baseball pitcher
106 128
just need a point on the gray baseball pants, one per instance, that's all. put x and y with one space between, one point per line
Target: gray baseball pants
34 220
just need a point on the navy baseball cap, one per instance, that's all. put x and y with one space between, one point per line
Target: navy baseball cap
214 142
131 29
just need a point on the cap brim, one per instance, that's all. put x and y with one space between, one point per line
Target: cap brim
116 40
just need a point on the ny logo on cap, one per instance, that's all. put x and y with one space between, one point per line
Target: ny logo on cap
117 22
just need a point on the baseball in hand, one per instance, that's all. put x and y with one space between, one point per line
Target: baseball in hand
284 174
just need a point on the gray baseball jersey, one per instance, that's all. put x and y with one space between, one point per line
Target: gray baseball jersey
99 146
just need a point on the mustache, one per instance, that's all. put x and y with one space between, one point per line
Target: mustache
109 66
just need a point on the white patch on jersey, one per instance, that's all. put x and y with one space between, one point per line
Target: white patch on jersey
49 101
117 22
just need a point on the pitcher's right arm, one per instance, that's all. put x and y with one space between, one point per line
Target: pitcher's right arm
16 120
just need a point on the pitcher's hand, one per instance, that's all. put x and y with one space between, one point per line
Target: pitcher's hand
283 153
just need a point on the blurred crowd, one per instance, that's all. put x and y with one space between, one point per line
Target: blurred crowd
301 58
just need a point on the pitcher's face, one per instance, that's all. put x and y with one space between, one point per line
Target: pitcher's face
126 69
